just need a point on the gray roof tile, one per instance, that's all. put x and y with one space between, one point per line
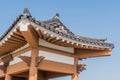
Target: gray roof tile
55 25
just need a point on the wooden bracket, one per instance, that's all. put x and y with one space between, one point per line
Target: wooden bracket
81 67
38 60
4 67
7 58
26 59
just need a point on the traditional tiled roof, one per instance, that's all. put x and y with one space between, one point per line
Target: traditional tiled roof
56 26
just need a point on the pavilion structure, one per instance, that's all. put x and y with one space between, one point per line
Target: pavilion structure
42 50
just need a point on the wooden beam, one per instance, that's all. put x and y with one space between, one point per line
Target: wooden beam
84 53
8 77
6 64
42 75
16 68
23 74
55 75
30 36
48 65
21 52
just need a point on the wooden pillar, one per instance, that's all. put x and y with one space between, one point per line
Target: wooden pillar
33 72
8 77
75 75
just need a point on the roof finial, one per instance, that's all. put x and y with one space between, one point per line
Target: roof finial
26 12
57 16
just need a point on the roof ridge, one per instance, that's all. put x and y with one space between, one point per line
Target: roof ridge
57 16
26 12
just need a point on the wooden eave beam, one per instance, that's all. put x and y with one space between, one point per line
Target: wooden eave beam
84 53
16 68
23 74
30 36
56 67
33 30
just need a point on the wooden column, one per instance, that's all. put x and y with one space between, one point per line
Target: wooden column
33 72
75 75
8 77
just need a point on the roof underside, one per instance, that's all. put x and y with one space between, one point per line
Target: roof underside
53 31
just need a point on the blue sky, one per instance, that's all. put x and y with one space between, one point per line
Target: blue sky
90 18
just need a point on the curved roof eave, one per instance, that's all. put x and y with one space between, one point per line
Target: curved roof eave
67 34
